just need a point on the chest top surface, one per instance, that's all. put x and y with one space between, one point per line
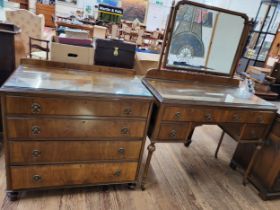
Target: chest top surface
36 78
199 93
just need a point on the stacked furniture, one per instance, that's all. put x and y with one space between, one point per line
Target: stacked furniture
74 128
48 10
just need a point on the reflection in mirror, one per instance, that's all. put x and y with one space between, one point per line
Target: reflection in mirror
204 39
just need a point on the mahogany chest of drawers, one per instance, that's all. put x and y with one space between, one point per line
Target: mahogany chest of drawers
72 128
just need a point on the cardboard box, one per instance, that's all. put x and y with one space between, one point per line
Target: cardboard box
72 54
145 61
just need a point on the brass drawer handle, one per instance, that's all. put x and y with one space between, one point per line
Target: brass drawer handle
177 115
127 111
36 153
35 130
173 134
36 108
121 151
208 117
236 117
260 119
37 178
124 131
117 173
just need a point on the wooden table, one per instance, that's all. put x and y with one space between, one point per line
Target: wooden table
185 101
68 125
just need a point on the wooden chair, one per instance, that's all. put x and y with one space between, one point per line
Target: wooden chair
35 43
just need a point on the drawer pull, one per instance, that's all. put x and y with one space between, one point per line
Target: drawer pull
127 111
173 134
35 130
177 115
37 178
121 151
260 119
36 108
124 131
208 116
117 173
36 153
236 117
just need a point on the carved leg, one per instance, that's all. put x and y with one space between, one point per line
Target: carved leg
189 140
13 196
219 144
151 148
251 163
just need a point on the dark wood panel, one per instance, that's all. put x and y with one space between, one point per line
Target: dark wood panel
24 177
66 106
74 128
30 152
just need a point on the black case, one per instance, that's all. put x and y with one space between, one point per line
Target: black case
114 53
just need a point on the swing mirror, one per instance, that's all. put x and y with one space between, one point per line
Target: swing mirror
205 39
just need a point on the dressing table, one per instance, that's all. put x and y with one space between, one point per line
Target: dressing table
195 85
69 125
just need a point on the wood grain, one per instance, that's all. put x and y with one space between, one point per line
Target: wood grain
180 179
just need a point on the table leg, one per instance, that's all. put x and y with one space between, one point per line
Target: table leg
251 163
219 144
189 139
151 148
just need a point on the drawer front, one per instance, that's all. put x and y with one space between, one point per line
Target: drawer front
64 106
74 128
253 132
261 117
235 116
191 114
171 131
177 114
23 177
29 152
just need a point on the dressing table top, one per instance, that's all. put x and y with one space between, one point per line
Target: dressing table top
188 92
41 79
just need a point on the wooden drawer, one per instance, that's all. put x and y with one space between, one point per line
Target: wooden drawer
23 177
253 132
235 116
37 128
173 131
173 113
81 107
261 117
191 114
29 152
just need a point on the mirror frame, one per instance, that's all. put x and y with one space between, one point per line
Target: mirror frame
168 37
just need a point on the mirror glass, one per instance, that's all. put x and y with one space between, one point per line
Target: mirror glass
204 40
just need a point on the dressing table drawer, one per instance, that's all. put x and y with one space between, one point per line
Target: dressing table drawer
32 152
253 132
173 131
76 107
24 177
260 117
191 114
36 128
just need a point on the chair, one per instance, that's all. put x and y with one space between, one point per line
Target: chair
38 54
31 26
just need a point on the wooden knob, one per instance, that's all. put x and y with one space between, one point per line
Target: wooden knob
36 153
124 131
35 108
127 111
117 173
35 130
37 178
